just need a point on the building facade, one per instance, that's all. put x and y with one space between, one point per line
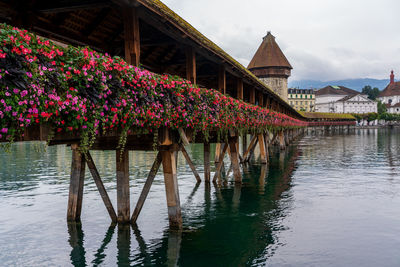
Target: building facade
302 99
339 99
271 66
390 96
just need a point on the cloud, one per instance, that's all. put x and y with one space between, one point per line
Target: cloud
323 40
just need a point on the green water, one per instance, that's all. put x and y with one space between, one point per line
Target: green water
327 201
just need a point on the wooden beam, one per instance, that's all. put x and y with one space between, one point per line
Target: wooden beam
220 163
96 22
222 79
132 36
146 188
217 152
253 143
252 95
260 99
171 189
191 165
101 188
282 144
239 88
235 159
76 184
191 64
261 144
123 198
207 166
67 6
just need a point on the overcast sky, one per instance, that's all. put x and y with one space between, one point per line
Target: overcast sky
322 39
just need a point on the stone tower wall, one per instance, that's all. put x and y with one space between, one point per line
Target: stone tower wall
278 85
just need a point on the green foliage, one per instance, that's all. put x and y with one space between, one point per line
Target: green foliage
371 92
381 108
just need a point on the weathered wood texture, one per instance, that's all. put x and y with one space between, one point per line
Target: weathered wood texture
123 197
220 163
207 165
235 159
190 163
100 186
222 79
146 187
132 36
261 144
191 73
76 185
171 189
252 145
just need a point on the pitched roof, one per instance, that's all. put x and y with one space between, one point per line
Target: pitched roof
348 97
269 55
336 90
391 89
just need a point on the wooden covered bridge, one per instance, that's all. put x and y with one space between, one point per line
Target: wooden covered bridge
148 34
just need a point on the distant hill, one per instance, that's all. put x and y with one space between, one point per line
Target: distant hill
356 84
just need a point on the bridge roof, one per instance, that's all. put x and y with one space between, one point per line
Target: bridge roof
330 116
98 24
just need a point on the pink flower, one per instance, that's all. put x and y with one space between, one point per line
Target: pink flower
4 130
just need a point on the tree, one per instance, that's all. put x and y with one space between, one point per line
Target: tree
381 108
371 92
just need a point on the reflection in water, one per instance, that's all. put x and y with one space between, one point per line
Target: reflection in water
78 252
230 219
288 212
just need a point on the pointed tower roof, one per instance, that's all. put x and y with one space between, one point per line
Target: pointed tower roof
269 55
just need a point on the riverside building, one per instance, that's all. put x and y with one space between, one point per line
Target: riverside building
390 96
339 99
302 99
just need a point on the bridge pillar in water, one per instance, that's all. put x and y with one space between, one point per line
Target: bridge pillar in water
76 185
281 136
171 187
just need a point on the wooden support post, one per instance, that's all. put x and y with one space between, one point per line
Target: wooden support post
146 188
220 164
207 166
100 186
171 188
76 184
253 143
222 79
239 88
244 144
123 198
191 165
217 153
191 64
235 159
281 140
132 36
261 99
261 144
252 96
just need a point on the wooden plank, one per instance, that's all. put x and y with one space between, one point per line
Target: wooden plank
244 144
146 188
191 165
260 99
100 187
183 136
222 79
171 189
253 143
164 137
261 144
191 64
252 95
207 165
76 184
235 159
217 152
239 88
123 197
220 164
282 144
132 36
